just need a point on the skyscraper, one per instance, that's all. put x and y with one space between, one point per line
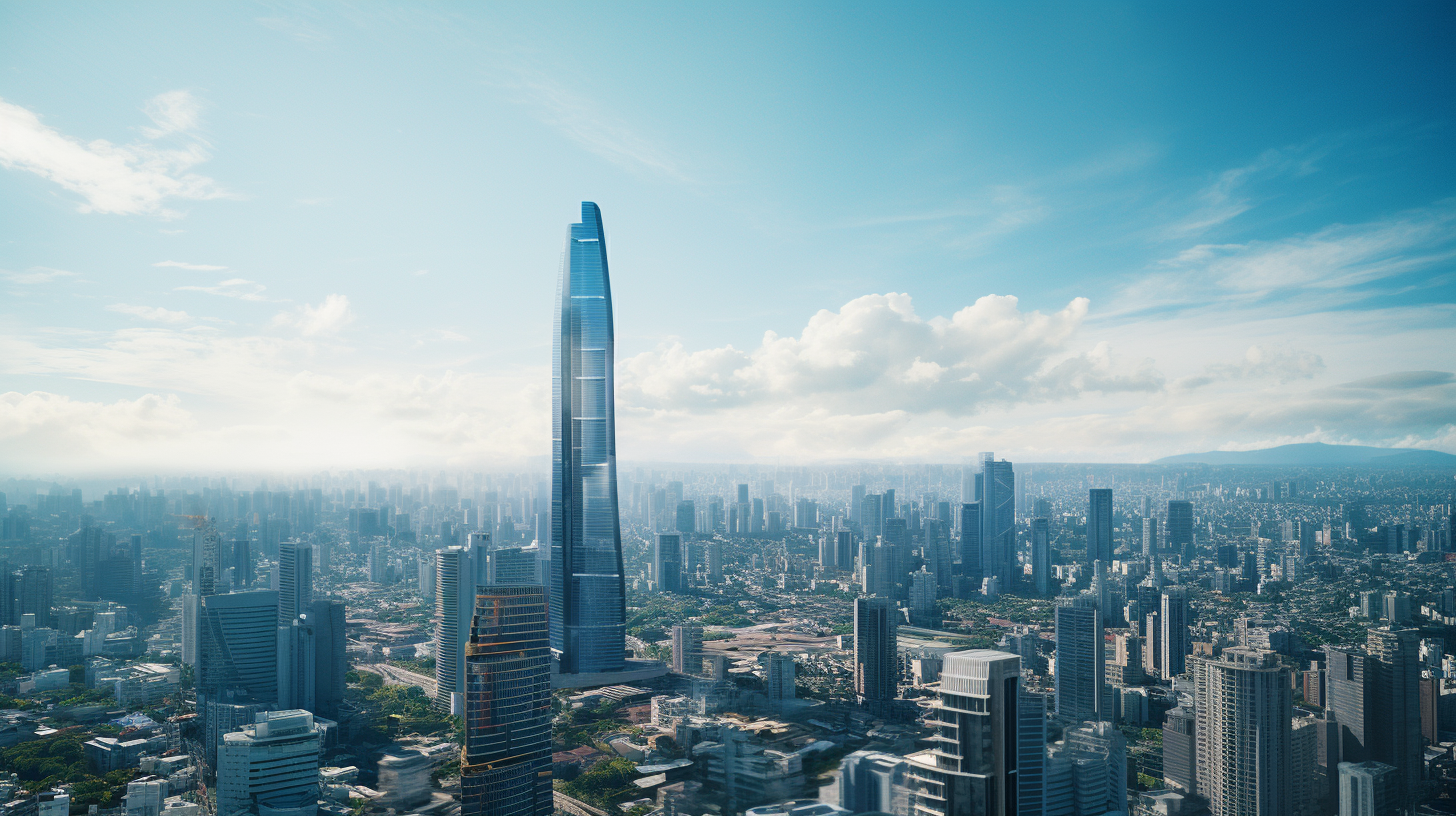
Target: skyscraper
876 656
505 767
1180 525
667 562
971 542
998 521
687 648
295 581
1173 638
1099 525
1244 703
238 646
455 584
1081 668
972 769
1373 693
588 596
1367 789
1041 556
330 657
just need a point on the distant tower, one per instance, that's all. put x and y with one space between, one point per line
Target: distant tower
1041 556
1180 525
295 581
588 595
1174 641
687 649
998 521
1099 525
505 767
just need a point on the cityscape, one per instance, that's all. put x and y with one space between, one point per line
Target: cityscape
881 568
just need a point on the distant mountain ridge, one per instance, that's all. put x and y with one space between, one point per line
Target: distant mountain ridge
1312 454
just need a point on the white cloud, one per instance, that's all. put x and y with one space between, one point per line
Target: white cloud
51 433
172 112
36 275
326 318
124 179
1261 362
156 314
192 266
239 288
876 354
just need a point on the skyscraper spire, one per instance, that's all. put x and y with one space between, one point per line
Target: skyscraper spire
588 597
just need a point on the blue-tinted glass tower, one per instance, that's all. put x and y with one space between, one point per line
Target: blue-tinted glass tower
588 598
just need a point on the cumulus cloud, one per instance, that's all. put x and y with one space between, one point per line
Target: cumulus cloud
53 432
156 314
877 354
134 179
326 318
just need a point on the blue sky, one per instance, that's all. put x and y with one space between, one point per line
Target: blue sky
304 236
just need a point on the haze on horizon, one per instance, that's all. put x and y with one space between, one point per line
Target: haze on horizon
290 239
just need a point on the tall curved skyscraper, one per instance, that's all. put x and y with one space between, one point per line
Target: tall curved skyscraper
588 598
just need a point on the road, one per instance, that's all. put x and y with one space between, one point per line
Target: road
395 676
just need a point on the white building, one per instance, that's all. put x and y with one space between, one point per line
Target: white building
270 766
146 796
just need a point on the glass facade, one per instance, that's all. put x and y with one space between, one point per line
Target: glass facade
588 598
505 768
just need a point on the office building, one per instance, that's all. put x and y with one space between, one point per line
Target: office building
687 649
505 767
970 548
588 596
876 656
270 766
1174 639
297 664
667 568
238 645
1367 789
998 521
779 677
1180 526
972 768
874 781
1081 653
1243 707
1150 536
330 657
1031 740
295 581
1180 753
146 796
206 559
1099 525
1373 693
1041 556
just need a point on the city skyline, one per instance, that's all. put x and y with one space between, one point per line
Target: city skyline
1111 256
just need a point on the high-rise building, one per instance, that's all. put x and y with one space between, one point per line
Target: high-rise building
667 565
1104 790
779 676
1174 639
971 542
455 583
1373 694
876 654
972 769
206 555
1081 654
687 648
238 645
505 767
873 781
330 657
588 595
1099 525
1031 739
295 580
998 521
1180 526
1150 536
1244 703
33 595
1367 789
297 664
1180 753
1041 556
270 766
